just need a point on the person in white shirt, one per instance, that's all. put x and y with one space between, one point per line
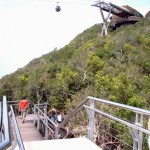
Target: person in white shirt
59 118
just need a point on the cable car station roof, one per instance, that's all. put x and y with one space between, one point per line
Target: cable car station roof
123 12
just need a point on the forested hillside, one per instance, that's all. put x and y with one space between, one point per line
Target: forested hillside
116 67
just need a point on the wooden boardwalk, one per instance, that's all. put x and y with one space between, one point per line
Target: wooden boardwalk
27 130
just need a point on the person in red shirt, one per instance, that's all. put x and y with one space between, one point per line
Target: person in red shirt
23 106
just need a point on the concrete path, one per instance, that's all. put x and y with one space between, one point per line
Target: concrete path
62 144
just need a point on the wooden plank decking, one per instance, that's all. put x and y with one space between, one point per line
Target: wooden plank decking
27 130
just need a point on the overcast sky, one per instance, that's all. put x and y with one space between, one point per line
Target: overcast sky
31 28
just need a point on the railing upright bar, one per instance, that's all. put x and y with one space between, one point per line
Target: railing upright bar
91 122
5 117
34 115
0 122
149 134
38 120
46 122
137 135
140 132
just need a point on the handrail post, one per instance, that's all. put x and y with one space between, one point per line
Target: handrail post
34 114
46 121
38 120
91 122
0 136
56 134
0 122
137 135
6 141
149 130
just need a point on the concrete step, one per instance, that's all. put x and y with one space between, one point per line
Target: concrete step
62 144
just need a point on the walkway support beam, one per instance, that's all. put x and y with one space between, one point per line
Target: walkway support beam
99 4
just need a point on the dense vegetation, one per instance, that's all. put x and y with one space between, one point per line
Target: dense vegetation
116 67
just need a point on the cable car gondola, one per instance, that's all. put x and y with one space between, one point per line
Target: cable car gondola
58 8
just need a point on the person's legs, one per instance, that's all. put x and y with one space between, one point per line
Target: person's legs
21 115
55 119
24 116
52 118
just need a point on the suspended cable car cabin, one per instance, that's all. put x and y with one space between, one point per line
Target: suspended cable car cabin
58 8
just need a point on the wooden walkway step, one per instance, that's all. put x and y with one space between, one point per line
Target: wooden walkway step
27 130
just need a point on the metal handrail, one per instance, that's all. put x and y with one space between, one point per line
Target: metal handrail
43 104
17 132
5 123
46 121
45 116
0 122
82 104
119 120
16 101
134 109
75 111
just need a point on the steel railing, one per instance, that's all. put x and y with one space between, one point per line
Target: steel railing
136 128
18 140
5 140
44 119
46 126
